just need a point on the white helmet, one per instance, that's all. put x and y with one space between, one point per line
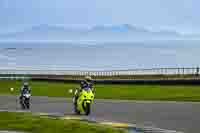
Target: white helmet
88 78
26 84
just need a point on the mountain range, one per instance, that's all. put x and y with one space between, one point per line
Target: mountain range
96 33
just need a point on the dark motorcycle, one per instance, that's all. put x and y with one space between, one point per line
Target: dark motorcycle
25 100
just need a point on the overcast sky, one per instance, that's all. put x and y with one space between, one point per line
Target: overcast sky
182 15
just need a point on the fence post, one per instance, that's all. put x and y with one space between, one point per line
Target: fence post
197 71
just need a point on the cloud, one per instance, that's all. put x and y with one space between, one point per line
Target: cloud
5 57
152 13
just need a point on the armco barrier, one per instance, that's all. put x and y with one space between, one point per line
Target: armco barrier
132 81
171 81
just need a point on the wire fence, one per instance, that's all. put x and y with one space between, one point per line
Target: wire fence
153 71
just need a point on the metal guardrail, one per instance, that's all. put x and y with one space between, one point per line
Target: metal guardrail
15 78
153 71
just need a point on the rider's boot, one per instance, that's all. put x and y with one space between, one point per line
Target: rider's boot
75 101
20 99
75 104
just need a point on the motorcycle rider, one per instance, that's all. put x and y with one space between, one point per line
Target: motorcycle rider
24 89
85 84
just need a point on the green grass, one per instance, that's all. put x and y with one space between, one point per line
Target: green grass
36 124
111 91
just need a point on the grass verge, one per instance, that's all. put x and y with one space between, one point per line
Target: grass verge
35 124
110 91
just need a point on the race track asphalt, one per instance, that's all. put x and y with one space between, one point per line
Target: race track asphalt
179 116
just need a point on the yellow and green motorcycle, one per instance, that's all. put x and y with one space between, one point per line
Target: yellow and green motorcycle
84 101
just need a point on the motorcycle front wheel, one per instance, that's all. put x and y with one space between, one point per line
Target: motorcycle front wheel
87 109
27 104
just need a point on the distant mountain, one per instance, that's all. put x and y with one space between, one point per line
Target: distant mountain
113 32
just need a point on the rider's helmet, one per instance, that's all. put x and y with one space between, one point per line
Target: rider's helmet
26 84
88 79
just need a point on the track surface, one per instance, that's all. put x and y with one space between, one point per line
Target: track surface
180 116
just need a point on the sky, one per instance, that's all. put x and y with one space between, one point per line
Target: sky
180 15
